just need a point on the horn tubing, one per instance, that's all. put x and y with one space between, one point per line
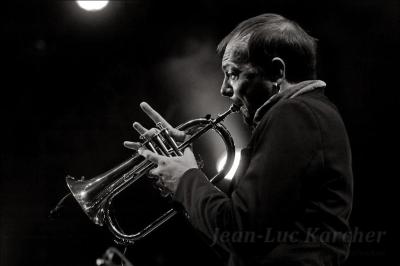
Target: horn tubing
95 195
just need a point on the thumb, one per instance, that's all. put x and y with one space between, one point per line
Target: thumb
188 153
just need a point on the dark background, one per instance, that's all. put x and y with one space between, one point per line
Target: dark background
72 81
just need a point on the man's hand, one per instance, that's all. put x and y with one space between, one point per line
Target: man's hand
169 169
176 134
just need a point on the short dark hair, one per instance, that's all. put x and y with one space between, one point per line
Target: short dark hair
272 35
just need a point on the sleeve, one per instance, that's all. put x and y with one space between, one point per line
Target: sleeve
268 193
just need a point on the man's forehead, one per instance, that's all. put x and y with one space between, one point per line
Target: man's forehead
236 51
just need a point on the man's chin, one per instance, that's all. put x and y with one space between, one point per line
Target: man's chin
247 116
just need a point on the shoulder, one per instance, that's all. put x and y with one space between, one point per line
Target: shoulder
288 111
311 101
304 116
287 121
314 105
309 117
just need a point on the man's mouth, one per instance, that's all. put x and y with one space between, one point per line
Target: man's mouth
244 111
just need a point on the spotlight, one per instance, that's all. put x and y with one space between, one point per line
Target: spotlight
92 5
221 163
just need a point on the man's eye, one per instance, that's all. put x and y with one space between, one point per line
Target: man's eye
232 76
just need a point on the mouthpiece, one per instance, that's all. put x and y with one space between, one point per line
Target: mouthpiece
234 108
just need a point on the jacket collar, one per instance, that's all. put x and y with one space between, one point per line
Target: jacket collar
289 93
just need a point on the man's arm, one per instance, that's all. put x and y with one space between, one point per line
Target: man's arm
268 194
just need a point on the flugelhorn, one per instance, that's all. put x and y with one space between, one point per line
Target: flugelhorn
95 195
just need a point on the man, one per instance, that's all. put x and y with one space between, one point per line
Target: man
291 200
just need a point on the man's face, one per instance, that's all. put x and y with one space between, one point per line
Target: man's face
243 83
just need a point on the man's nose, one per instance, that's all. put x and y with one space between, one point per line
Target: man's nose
226 90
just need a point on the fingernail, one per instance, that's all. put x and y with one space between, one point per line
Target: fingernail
140 151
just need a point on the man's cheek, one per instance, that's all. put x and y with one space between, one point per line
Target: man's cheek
242 88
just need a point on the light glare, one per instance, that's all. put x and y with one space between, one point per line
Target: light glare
235 165
82 194
92 5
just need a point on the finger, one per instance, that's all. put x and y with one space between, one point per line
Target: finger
177 134
151 156
154 115
157 118
156 173
150 133
132 145
139 128
188 153
151 175
147 134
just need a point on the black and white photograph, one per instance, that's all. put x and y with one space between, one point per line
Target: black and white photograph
168 133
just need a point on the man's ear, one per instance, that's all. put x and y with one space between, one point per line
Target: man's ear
278 69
